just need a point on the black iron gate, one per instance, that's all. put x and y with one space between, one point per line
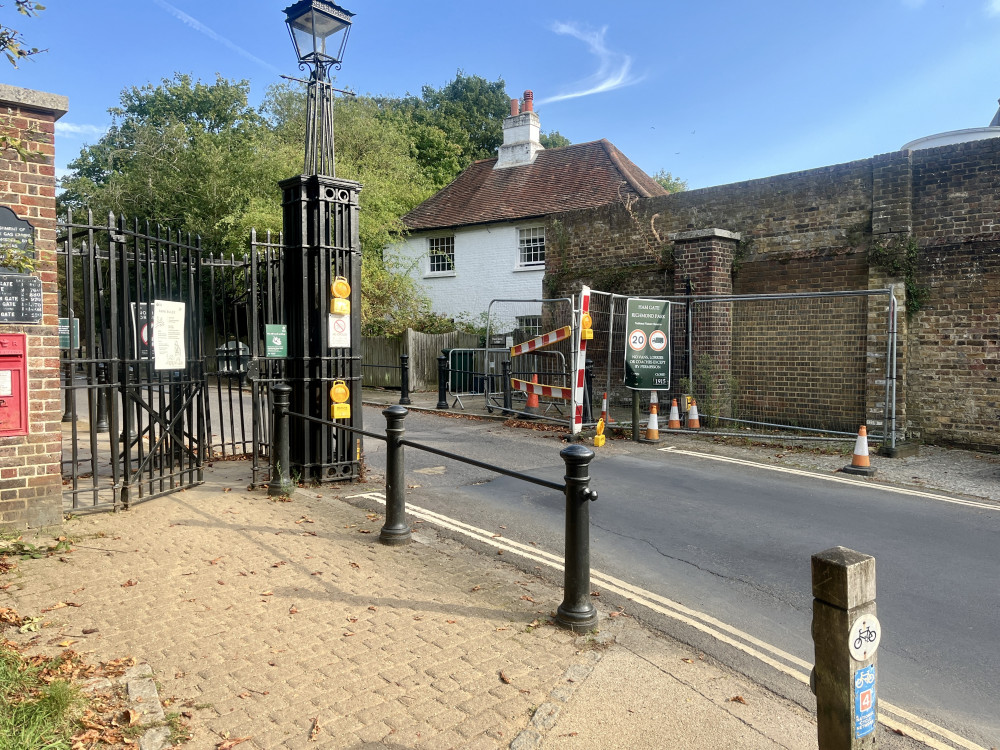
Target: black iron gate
136 426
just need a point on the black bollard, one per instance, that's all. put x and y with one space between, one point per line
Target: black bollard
508 395
404 379
281 483
102 399
588 391
577 612
69 396
395 531
442 382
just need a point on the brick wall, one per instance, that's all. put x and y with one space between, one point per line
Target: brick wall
30 480
809 231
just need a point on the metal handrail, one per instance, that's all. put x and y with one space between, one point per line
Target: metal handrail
576 612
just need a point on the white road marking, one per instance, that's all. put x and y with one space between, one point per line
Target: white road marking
828 478
784 662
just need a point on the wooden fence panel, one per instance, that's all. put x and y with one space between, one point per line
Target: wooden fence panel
423 349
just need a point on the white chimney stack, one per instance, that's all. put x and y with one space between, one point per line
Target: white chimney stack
521 133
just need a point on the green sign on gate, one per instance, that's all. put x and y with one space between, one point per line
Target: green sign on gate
66 341
275 340
647 347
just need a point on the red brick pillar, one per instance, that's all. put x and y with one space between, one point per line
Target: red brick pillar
703 267
30 477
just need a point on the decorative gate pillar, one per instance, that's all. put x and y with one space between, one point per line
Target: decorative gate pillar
703 266
321 244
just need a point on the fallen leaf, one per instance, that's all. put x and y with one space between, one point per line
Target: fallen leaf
373 608
365 531
128 583
688 661
292 611
450 622
527 598
352 619
503 628
355 566
315 729
499 551
595 593
89 631
504 678
227 489
67 643
216 560
229 744
268 593
475 588
738 699
278 565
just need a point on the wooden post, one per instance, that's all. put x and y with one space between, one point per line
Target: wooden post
846 634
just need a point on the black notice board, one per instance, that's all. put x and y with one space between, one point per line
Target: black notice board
16 235
20 299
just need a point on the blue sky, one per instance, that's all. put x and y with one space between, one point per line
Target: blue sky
714 91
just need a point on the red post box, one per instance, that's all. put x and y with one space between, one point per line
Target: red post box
13 384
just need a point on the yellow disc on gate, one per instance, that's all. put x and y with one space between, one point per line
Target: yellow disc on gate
586 321
340 288
340 392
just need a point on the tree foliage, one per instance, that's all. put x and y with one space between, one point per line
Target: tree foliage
670 183
197 157
555 139
12 44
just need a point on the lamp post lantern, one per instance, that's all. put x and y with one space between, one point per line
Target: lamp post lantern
319 32
321 246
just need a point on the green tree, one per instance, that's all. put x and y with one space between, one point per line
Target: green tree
555 139
12 44
670 183
453 126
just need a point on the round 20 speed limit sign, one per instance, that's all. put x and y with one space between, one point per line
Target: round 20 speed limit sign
647 356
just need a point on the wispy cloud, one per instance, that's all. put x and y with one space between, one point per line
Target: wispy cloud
197 25
72 128
993 7
614 70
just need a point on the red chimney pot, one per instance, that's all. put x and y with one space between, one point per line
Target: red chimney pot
515 107
529 104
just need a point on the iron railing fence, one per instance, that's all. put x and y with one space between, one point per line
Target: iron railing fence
132 431
817 364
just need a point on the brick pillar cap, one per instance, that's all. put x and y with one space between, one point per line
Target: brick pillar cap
703 234
31 99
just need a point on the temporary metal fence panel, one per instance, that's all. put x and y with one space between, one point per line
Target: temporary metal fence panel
815 363
511 322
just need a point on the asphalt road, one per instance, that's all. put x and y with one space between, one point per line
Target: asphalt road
735 543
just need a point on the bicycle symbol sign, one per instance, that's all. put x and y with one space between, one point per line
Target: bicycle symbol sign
865 635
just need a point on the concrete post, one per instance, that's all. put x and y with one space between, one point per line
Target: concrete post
846 635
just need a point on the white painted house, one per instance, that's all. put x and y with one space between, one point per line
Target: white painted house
483 236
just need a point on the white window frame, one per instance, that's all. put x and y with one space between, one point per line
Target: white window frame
527 239
432 254
531 325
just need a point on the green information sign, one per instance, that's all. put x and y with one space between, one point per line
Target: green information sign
275 340
647 348
64 339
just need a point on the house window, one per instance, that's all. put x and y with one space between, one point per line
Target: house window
531 325
442 254
531 246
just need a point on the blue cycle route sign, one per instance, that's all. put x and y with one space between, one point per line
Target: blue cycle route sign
864 701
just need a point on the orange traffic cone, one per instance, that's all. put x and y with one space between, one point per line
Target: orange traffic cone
860 464
531 407
693 422
674 421
653 427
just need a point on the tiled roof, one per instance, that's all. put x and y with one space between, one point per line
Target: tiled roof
583 175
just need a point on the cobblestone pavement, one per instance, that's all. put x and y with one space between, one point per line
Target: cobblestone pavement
264 618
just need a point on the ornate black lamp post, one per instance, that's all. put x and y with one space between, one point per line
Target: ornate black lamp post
320 217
